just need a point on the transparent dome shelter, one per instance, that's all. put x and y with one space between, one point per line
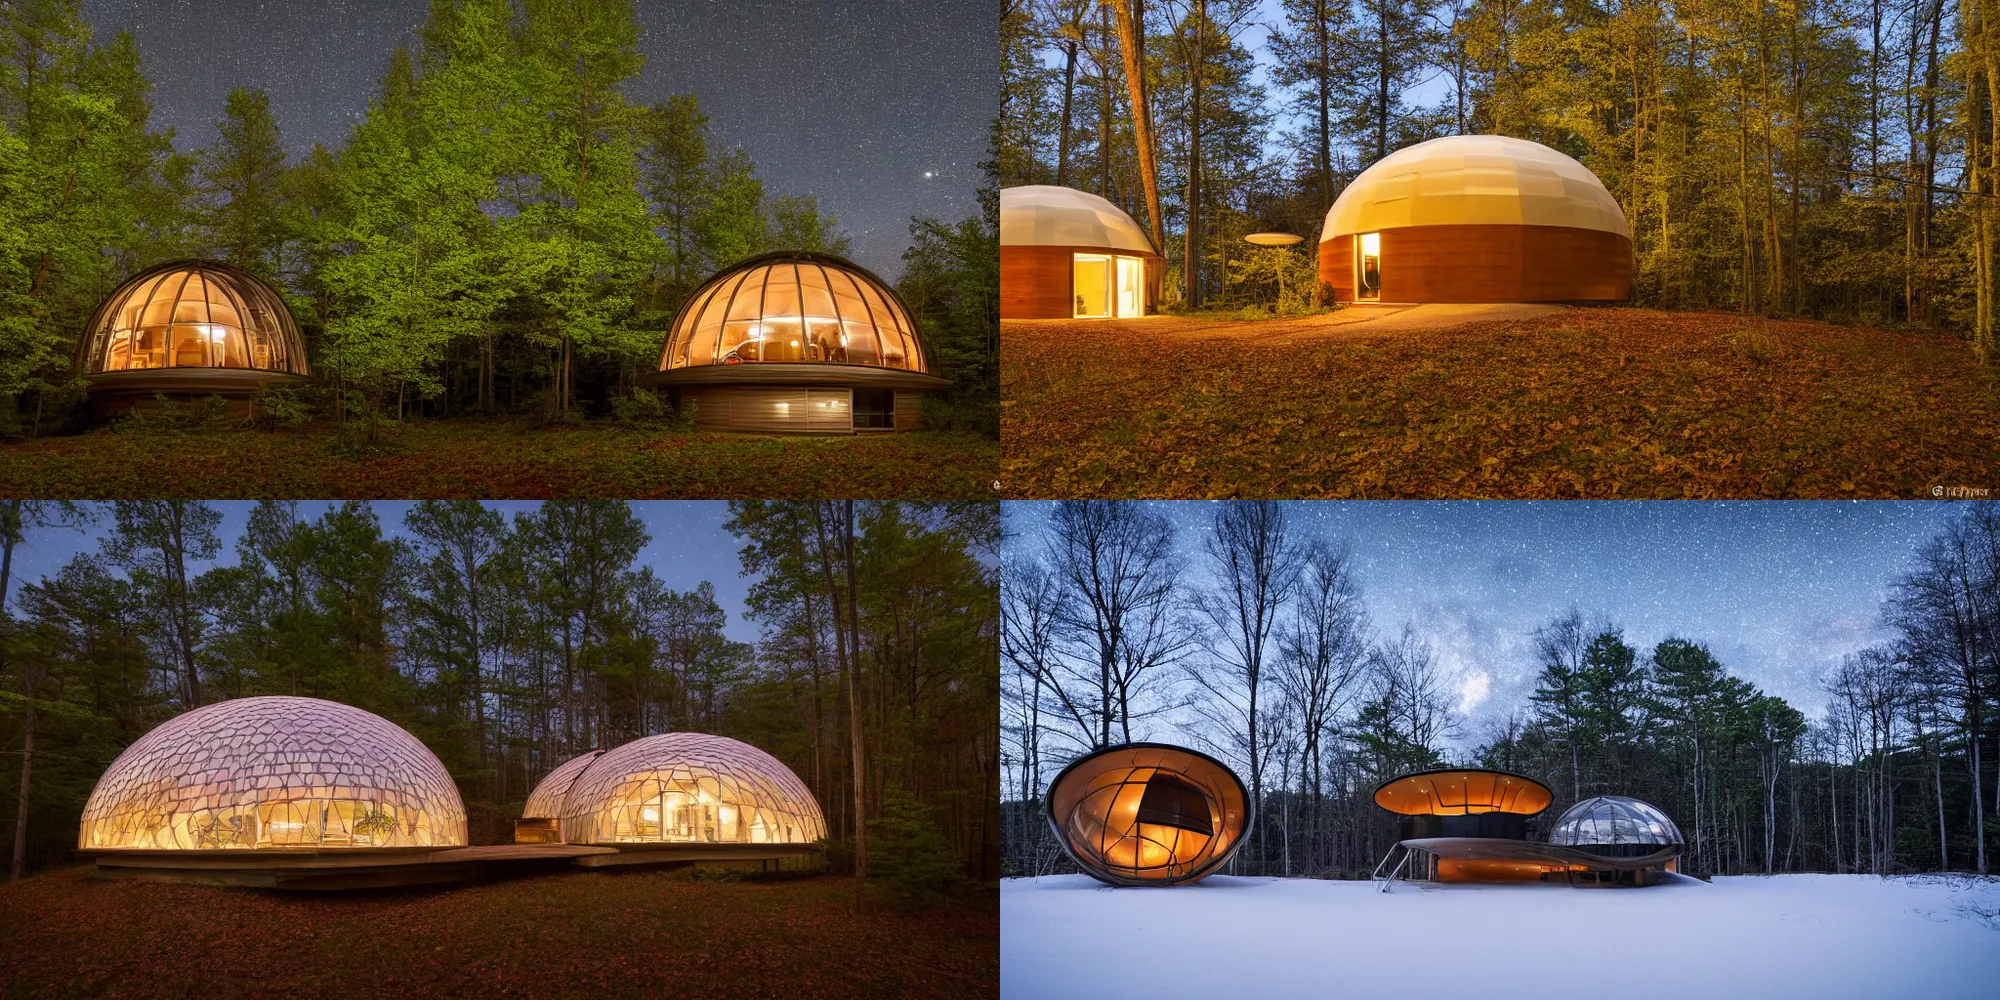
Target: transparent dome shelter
1616 826
189 328
689 789
274 772
797 342
1148 814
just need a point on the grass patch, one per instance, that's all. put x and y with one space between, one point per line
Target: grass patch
573 935
494 458
1584 403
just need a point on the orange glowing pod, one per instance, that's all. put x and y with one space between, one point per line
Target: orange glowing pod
1149 814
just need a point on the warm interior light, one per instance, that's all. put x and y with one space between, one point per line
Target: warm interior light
650 814
1371 244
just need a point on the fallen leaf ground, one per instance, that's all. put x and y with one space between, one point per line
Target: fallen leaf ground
1604 402
488 459
69 934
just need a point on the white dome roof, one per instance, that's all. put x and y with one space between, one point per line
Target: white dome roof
1044 215
689 788
545 802
1474 180
274 772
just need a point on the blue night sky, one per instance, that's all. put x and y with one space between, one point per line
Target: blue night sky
687 547
879 108
1778 591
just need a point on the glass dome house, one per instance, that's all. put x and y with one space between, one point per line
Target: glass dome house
690 790
189 328
1149 814
797 342
1069 254
271 773
539 815
1622 840
1476 218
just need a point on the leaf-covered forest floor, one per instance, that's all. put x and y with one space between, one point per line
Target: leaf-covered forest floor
1581 402
491 458
68 933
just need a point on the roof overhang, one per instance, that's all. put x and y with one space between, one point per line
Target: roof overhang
1496 849
200 381
802 373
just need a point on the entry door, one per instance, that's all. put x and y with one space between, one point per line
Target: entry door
1131 287
1091 286
1368 266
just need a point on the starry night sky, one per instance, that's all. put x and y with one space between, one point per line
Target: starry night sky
1778 591
853 102
688 546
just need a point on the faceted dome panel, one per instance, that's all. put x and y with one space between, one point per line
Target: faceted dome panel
794 307
274 772
545 802
1614 819
1048 216
1475 180
1148 814
689 788
193 314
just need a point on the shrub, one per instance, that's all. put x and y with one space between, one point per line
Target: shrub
906 850
639 405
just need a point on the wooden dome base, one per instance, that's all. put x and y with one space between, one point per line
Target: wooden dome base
1488 264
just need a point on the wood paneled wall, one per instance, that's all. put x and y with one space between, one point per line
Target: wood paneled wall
1489 264
773 409
1035 282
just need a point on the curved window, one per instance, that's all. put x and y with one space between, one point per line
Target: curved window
794 307
193 314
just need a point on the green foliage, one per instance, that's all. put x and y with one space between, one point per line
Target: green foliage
906 850
639 405
283 407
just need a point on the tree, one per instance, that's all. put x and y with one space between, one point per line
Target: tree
241 178
1256 562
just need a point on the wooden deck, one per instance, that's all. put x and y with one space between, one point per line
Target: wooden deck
354 868
369 868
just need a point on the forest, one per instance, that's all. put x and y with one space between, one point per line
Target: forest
508 646
1270 661
1815 159
502 232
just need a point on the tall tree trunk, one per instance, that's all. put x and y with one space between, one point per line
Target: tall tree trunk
1069 95
1131 44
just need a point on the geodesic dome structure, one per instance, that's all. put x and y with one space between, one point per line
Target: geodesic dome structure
1149 814
545 802
198 314
1476 218
689 788
274 772
1069 254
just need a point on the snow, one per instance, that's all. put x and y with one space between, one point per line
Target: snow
1817 936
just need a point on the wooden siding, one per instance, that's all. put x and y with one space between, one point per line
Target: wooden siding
1489 264
908 416
1035 282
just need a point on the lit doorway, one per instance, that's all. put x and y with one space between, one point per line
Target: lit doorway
1368 266
1104 285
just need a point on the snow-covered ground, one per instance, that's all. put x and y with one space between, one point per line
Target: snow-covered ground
1815 936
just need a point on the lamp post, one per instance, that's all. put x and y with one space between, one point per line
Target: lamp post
1274 240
